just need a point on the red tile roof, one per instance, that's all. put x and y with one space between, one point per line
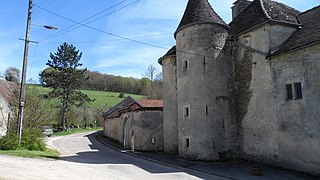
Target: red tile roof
151 103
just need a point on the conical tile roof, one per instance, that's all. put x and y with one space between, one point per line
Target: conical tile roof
199 11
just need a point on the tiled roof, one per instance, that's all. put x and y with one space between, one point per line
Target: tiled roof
308 34
130 104
151 103
6 89
260 11
280 12
122 106
199 11
171 52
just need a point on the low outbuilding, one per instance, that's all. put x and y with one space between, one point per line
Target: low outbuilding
137 125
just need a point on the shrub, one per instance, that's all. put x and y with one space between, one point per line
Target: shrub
9 142
121 95
32 139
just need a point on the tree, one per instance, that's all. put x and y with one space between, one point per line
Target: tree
37 112
151 71
153 89
65 79
12 74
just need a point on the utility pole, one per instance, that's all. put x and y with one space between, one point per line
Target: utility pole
22 97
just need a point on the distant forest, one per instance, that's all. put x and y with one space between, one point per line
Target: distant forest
145 86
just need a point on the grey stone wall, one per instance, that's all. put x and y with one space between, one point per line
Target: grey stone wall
170 116
203 97
148 129
139 130
298 125
266 127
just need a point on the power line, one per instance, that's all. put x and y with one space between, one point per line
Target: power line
68 29
136 41
88 42
102 31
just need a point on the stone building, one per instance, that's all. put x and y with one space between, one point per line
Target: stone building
137 125
6 91
248 89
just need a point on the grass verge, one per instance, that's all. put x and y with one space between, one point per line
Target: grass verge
75 131
48 153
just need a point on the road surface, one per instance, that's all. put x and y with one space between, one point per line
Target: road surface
84 157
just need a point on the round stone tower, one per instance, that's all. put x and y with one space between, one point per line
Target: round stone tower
170 117
202 83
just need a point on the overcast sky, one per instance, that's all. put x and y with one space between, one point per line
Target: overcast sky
151 23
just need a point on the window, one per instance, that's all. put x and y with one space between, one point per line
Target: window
153 140
298 90
185 64
186 111
207 111
187 142
289 91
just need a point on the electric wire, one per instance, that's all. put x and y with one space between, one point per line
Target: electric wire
110 40
72 27
141 42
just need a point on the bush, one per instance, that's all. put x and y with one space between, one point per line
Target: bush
9 142
121 95
32 139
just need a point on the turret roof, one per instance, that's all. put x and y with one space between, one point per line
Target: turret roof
199 11
171 53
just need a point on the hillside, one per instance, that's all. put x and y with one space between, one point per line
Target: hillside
102 98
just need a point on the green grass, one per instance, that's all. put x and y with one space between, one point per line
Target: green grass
102 98
109 99
75 131
48 153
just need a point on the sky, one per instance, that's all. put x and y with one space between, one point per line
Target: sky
118 37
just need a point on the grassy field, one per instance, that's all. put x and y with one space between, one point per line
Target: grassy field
102 98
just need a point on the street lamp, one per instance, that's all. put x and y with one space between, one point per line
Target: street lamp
22 96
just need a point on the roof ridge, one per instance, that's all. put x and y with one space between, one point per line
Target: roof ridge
307 11
264 9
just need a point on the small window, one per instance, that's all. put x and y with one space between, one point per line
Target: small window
207 110
186 111
153 140
289 91
214 145
298 90
187 142
185 64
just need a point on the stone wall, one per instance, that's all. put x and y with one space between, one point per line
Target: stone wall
203 96
297 120
148 130
138 130
170 113
266 126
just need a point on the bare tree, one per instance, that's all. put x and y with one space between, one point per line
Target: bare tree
151 71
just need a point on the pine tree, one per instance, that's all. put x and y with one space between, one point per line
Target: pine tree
64 78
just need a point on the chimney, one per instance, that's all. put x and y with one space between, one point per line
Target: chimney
239 6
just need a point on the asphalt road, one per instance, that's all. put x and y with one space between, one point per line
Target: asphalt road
84 157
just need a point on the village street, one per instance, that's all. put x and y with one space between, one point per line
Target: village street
84 157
